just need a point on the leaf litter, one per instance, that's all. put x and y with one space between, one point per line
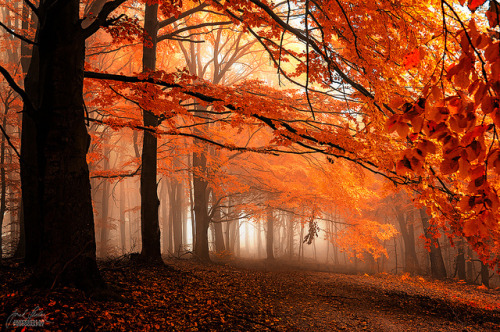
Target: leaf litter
253 296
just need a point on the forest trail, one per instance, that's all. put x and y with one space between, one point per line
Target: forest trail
257 297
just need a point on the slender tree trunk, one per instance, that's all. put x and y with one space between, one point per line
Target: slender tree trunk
218 232
470 265
27 22
54 173
150 227
289 222
176 203
237 243
270 235
191 201
438 269
485 275
3 184
122 219
461 261
229 243
105 209
165 218
301 243
410 253
200 206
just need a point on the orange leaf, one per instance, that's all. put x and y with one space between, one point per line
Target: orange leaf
449 166
427 147
492 15
402 129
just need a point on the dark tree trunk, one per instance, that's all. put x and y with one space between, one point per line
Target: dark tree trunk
165 218
122 219
176 203
270 235
485 275
438 269
470 265
290 221
103 242
407 231
461 261
3 184
201 207
218 232
150 227
59 220
258 239
27 22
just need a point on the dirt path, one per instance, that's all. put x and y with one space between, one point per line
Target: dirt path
319 301
254 297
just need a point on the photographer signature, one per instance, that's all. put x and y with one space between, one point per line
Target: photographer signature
36 317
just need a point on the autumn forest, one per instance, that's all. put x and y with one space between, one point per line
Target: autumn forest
240 165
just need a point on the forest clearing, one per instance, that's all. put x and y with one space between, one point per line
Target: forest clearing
261 296
250 164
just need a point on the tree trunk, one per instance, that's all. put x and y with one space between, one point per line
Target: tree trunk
219 237
270 235
3 184
54 174
470 265
150 227
27 22
201 206
461 261
103 252
191 202
485 275
165 217
217 224
122 219
438 270
176 203
407 231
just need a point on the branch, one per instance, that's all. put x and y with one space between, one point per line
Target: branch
272 123
124 175
90 28
26 99
7 137
207 24
32 6
173 19
15 34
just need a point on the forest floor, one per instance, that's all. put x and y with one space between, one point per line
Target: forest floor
250 296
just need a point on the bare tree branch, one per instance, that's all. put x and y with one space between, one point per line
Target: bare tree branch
16 87
173 19
101 19
15 34
32 6
198 26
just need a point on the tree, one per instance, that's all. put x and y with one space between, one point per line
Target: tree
438 269
54 173
150 228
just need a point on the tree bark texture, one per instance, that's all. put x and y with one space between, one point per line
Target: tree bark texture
438 269
59 221
150 227
201 206
407 231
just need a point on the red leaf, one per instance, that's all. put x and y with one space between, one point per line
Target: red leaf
412 59
473 4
